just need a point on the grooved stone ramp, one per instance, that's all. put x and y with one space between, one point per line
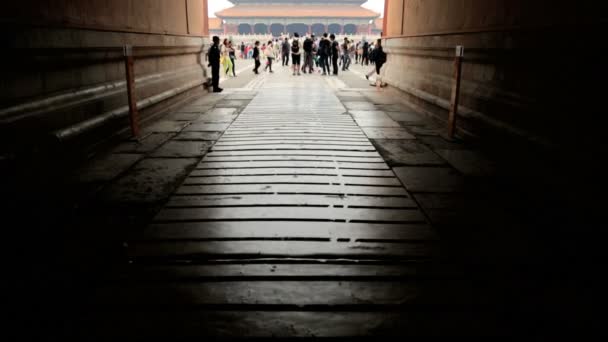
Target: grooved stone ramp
292 226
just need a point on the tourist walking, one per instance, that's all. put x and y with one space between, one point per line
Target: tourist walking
365 53
226 63
345 54
269 53
357 47
335 53
296 53
214 63
324 52
285 52
256 57
308 45
232 55
379 58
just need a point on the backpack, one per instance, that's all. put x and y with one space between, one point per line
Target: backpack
308 45
295 46
326 47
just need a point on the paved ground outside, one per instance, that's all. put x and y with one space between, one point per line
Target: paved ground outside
297 206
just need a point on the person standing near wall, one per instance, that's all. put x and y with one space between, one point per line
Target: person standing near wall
214 63
379 57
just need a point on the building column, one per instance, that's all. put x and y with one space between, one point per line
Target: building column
325 28
309 29
369 29
268 29
384 21
225 25
252 28
341 29
284 29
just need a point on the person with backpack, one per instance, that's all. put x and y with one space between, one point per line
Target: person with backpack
365 54
285 52
324 52
256 57
335 53
379 57
296 53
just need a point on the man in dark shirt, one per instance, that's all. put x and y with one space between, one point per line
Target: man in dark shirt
335 52
256 57
285 52
324 52
214 63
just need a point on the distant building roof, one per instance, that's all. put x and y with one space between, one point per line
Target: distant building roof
288 11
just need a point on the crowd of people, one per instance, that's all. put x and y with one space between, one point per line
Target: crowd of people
309 54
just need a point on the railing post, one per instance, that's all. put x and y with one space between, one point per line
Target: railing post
133 114
455 92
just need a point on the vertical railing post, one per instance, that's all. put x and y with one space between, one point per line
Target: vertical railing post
455 92
133 115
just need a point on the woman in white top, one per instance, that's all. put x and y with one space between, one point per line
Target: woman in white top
269 53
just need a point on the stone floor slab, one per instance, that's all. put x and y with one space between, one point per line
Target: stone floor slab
232 104
194 136
407 152
430 179
183 116
165 126
194 109
182 149
369 114
221 111
151 180
359 105
470 163
387 133
207 127
380 122
107 167
409 117
148 144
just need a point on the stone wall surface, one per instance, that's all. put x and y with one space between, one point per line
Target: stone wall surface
64 63
524 62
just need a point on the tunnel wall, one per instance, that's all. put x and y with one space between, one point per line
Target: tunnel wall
64 65
523 60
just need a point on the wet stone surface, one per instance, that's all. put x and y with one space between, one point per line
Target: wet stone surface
407 152
387 133
151 180
165 127
181 149
107 167
431 179
207 127
146 144
205 136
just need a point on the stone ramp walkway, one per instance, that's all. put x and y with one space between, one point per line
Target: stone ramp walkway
292 226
